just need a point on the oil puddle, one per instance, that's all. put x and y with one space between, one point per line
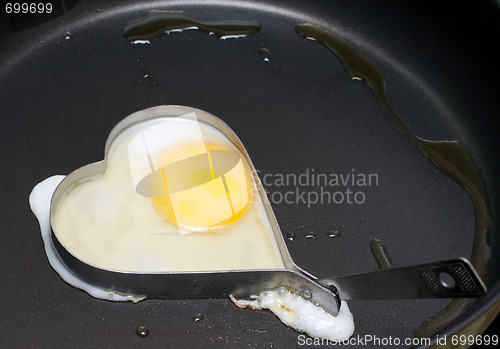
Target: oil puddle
448 156
157 23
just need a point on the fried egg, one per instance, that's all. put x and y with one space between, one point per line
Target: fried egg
176 196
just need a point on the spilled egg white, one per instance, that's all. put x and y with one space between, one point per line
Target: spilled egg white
303 315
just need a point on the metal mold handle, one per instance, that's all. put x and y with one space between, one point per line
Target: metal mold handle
454 278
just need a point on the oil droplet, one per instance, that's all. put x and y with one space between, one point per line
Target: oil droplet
147 75
198 317
68 36
333 234
265 54
310 235
157 23
291 235
142 331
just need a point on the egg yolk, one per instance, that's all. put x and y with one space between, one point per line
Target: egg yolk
206 187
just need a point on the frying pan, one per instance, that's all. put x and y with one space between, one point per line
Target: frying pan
296 112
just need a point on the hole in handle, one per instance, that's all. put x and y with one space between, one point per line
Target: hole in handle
447 280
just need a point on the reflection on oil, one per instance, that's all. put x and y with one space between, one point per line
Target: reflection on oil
448 156
157 23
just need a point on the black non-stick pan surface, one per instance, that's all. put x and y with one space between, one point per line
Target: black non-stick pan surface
67 81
